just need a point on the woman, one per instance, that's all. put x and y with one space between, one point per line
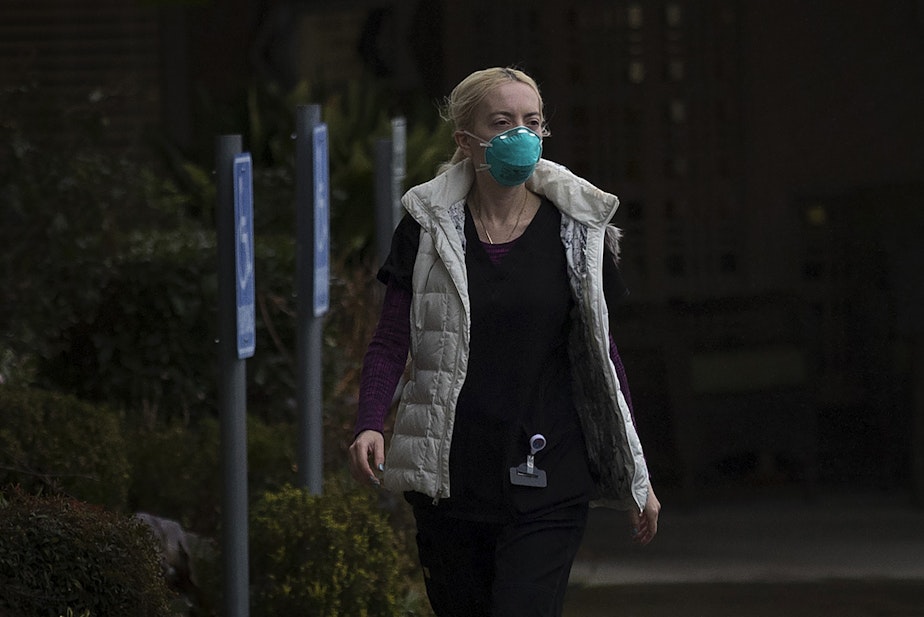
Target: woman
513 418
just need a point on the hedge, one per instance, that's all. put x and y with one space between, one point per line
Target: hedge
51 442
330 555
60 556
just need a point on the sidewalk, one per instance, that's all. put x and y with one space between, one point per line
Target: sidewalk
849 556
876 536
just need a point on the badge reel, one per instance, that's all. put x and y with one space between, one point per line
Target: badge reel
527 474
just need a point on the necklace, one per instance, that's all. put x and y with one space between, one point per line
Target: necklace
512 229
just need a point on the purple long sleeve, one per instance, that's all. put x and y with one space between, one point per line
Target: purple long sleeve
621 375
385 359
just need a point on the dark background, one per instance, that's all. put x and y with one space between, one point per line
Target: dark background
769 158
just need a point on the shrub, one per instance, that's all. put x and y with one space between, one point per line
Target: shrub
176 469
145 340
67 203
149 342
59 556
333 555
176 473
56 443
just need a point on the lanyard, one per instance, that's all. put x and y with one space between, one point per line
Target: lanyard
527 474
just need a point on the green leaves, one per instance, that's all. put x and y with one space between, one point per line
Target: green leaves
333 555
55 443
62 557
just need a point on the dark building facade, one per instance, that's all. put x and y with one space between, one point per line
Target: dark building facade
764 155
105 56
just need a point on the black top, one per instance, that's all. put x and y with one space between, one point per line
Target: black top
518 381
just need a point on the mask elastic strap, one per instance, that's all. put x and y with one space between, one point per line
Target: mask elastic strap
481 142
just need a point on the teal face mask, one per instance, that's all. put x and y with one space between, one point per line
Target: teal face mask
511 156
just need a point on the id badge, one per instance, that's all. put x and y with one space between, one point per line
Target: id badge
527 474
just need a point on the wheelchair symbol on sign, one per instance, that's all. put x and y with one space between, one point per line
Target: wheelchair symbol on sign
243 278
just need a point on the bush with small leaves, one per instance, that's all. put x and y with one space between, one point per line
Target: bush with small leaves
330 555
177 469
51 442
59 556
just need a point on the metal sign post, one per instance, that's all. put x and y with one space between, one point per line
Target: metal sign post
234 209
398 166
312 265
384 208
390 159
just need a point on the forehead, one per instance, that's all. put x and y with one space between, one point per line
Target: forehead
511 96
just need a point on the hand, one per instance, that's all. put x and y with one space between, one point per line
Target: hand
368 444
645 523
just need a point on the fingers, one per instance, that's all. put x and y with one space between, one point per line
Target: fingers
368 445
646 531
635 524
650 517
645 523
634 519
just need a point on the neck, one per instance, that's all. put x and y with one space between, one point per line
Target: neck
500 214
498 203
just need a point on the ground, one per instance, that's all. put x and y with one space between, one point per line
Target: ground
811 599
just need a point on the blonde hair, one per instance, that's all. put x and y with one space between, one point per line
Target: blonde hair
459 107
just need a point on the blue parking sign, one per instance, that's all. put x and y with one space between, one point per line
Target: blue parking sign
321 221
243 255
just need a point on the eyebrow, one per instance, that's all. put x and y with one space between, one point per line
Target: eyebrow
510 114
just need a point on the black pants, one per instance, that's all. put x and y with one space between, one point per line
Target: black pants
517 569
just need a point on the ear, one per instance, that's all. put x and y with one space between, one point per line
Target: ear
463 142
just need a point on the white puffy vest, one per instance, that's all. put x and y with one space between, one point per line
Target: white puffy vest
418 457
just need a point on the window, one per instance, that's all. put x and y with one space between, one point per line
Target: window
678 111
634 16
636 71
673 14
816 215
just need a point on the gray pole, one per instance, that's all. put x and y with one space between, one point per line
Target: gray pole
917 418
390 163
398 166
233 391
384 204
309 455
